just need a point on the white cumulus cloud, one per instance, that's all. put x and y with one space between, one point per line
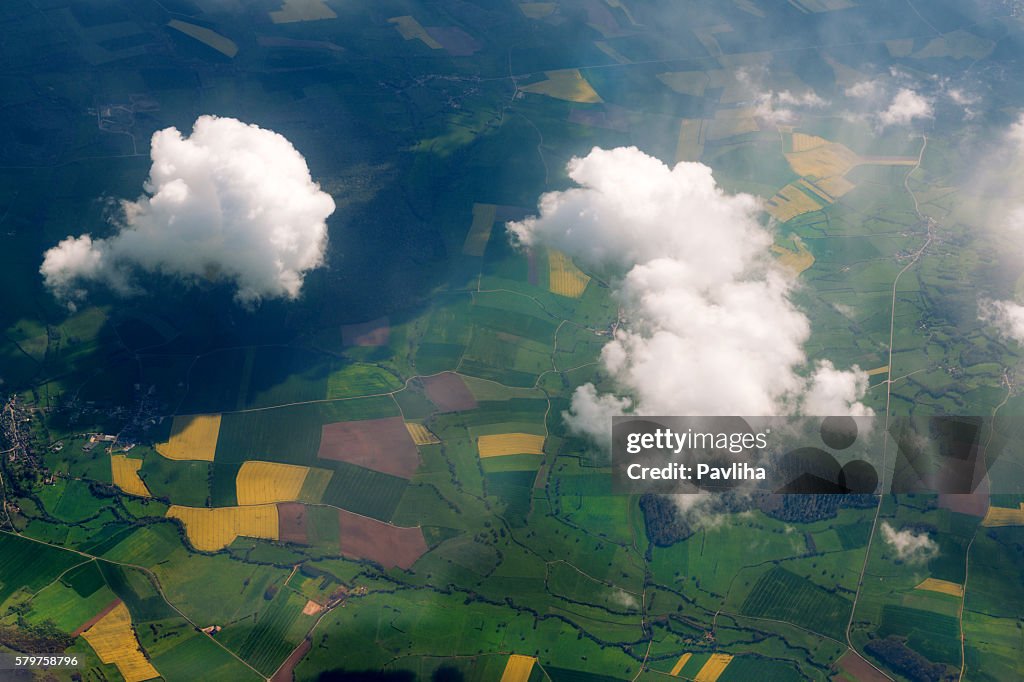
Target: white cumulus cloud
231 202
709 326
905 107
910 547
785 107
1006 316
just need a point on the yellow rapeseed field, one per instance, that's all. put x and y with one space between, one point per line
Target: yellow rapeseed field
679 664
1003 516
204 35
125 472
835 187
480 231
820 160
263 482
796 261
564 278
510 444
420 434
412 30
518 668
193 436
565 84
943 586
790 202
214 529
114 641
713 668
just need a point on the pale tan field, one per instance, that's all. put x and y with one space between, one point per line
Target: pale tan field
750 8
690 146
565 84
302 10
796 261
957 44
901 47
1003 516
884 369
686 82
214 529
125 472
612 52
193 436
537 10
618 4
730 123
265 482
679 664
789 203
204 35
510 444
815 190
421 435
412 30
114 641
480 230
815 6
835 186
518 668
815 157
943 586
715 666
564 278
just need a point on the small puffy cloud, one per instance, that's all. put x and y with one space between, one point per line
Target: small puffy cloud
1015 134
831 391
1006 316
868 89
910 547
231 202
784 108
893 101
709 326
905 107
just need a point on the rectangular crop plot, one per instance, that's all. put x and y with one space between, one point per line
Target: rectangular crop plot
291 522
193 436
382 445
480 231
783 595
518 668
449 393
211 530
942 586
387 545
420 434
262 482
510 444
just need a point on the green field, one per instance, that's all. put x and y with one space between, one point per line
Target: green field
783 595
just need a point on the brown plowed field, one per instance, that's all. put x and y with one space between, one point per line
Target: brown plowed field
365 538
380 444
448 392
